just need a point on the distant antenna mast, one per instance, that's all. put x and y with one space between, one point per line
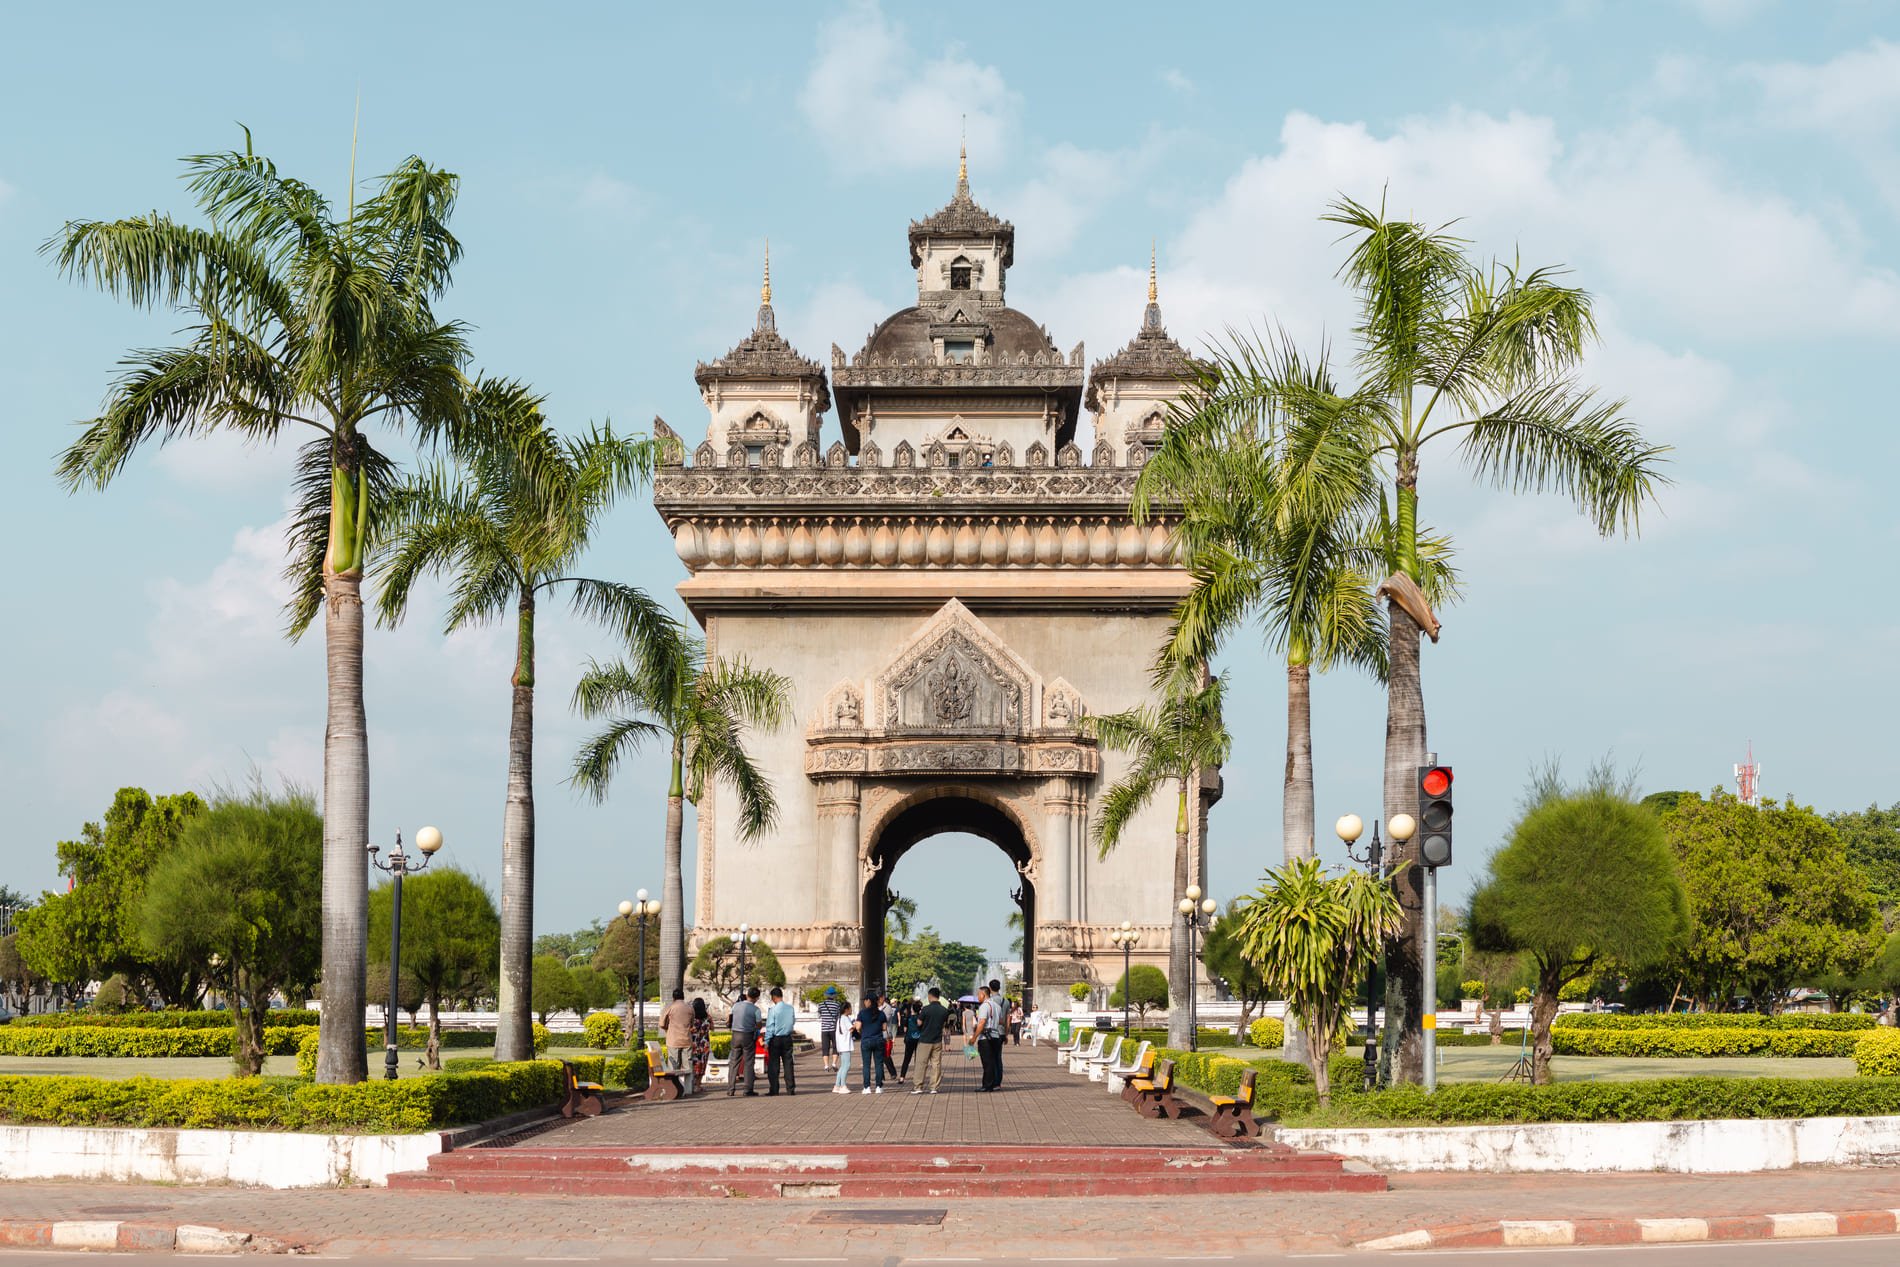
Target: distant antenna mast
1748 778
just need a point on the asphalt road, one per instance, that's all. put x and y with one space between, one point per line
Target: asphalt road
1859 1251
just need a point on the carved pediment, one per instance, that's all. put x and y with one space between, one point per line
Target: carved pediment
955 676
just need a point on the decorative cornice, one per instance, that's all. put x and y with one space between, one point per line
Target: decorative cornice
801 539
830 756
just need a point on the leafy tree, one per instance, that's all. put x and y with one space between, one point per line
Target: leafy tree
599 991
1449 349
322 324
1015 921
897 920
1872 840
241 897
1175 738
619 958
1314 937
508 523
1663 802
1498 974
1585 878
1223 951
582 941
717 964
91 932
1773 899
928 957
1143 986
15 977
552 988
700 708
409 996
449 937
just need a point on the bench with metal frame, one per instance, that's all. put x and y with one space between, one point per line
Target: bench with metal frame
1233 1114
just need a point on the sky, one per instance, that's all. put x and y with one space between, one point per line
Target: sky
1720 174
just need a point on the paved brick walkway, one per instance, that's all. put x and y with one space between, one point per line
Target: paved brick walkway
1040 1103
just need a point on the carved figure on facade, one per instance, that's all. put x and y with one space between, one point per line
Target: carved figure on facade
985 690
1069 457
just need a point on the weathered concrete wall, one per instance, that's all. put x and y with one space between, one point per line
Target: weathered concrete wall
263 1159
1712 1147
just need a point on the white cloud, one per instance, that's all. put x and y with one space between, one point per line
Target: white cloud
1175 79
1856 92
876 101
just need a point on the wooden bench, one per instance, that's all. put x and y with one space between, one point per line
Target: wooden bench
1233 1114
663 1083
1154 1096
579 1099
1144 1068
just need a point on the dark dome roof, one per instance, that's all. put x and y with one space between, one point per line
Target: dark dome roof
905 335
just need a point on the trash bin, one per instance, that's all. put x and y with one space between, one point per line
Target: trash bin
1062 1029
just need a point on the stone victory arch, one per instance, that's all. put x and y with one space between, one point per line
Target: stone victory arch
950 588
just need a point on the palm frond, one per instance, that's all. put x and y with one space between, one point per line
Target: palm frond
602 752
1553 436
309 534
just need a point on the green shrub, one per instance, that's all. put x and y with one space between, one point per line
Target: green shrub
1649 1100
604 1030
1266 1032
589 1068
1447 1038
1701 1041
1716 1020
628 1071
540 1038
142 1042
307 1055
1877 1055
283 1016
411 1104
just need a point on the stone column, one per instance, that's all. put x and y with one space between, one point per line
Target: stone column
1055 881
838 851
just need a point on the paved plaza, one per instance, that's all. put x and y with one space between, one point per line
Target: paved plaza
1041 1103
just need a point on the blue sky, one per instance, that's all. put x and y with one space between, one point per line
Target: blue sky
1721 174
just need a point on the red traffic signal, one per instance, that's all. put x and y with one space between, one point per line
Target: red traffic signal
1434 815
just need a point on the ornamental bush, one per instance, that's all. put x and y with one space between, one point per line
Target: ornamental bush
407 1105
142 1041
1266 1032
1877 1055
283 1016
1703 1041
628 1071
1716 1020
603 1030
307 1055
1649 1100
540 1038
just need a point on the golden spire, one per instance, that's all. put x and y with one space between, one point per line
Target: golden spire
765 288
1151 270
963 159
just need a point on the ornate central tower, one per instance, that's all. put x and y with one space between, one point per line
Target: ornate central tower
950 587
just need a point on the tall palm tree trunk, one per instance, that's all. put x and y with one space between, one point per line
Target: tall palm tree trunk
1296 801
1405 1001
673 888
341 1051
1180 966
514 1033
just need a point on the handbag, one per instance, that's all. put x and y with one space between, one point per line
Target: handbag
969 1051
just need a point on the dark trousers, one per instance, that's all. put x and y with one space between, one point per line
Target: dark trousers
778 1052
872 1063
744 1043
910 1051
990 1052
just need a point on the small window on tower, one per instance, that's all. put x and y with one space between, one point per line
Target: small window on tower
960 275
755 455
960 351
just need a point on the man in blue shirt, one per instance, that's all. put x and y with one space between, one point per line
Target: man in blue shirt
992 1018
871 1043
779 1020
745 1036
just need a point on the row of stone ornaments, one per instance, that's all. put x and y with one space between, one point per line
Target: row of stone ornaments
937 455
922 541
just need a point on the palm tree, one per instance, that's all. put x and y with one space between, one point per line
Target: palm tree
299 319
699 707
509 522
1175 738
897 921
1485 354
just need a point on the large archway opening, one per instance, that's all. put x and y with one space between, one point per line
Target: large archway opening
957 813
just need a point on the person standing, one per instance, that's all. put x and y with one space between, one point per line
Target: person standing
676 1028
930 1022
907 1020
990 1023
885 1006
871 1045
830 1008
746 1020
779 1020
845 1034
702 1042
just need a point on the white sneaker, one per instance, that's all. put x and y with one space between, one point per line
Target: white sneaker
879 1090
916 1090
866 1091
933 1090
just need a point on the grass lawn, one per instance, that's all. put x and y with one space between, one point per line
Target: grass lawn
1488 1064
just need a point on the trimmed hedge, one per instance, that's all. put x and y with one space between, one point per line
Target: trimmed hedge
407 1105
1711 1041
1266 1032
1877 1055
1649 1100
142 1042
1715 1020
281 1017
628 1071
603 1030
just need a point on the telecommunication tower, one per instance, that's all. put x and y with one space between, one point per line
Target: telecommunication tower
1748 779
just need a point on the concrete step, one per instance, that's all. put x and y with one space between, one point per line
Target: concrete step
846 1186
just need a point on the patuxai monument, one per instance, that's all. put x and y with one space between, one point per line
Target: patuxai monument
951 581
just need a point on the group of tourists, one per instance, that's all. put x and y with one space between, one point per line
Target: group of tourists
872 1031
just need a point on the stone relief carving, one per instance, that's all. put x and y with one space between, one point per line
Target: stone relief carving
950 692
805 454
903 456
955 675
1036 455
1061 706
848 711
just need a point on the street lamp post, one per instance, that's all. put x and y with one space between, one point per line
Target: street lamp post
640 910
1126 936
1196 911
428 840
1348 829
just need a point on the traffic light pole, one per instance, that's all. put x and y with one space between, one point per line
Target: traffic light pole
1429 1018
